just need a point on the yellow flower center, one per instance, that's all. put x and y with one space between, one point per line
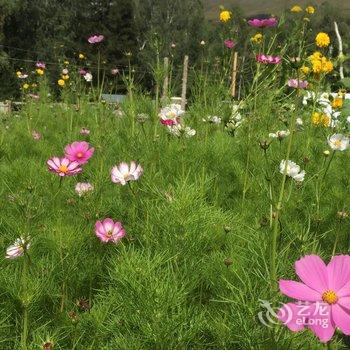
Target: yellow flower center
63 169
337 143
329 297
79 155
109 233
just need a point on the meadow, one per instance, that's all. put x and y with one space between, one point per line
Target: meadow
226 199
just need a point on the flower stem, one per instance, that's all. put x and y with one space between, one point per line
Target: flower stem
25 306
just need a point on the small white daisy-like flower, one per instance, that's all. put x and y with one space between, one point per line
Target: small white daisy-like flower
81 188
292 170
338 142
88 77
281 134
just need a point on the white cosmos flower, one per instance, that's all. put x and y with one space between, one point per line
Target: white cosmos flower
123 173
20 246
171 112
88 77
338 142
180 130
292 170
281 134
348 119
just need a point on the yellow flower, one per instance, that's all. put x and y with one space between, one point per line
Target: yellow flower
326 120
310 10
257 38
225 16
316 66
61 82
66 63
337 102
323 119
316 118
25 86
327 66
34 85
40 71
65 76
81 56
296 9
305 70
19 73
322 39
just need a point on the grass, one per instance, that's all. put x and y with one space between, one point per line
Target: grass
166 286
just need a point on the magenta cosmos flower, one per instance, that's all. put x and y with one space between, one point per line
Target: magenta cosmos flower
297 83
267 59
123 173
95 39
84 131
63 166
263 23
109 231
324 297
229 43
79 151
36 135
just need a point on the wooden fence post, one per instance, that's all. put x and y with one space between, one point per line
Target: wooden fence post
184 83
234 74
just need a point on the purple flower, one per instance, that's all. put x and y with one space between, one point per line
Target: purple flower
297 84
263 23
229 43
95 39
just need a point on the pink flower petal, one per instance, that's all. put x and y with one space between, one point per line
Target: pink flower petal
299 291
338 272
288 314
344 302
344 291
313 272
341 318
321 323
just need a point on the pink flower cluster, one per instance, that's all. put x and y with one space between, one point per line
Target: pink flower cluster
76 154
298 84
267 59
263 23
230 44
95 39
40 65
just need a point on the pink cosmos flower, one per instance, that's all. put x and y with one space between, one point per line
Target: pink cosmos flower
63 166
267 59
124 173
40 65
20 246
36 135
82 188
84 131
297 83
263 23
95 39
109 231
324 297
229 43
82 71
115 71
170 122
79 151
